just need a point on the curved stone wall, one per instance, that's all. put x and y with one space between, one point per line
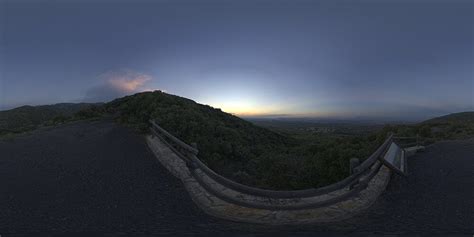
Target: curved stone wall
220 201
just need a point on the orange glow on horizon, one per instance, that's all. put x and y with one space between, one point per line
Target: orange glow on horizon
245 108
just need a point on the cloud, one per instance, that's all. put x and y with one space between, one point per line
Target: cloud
125 81
113 84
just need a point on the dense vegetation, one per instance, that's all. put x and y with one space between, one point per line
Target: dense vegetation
244 152
449 127
273 158
27 118
228 144
296 156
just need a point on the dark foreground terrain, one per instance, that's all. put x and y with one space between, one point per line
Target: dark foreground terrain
100 178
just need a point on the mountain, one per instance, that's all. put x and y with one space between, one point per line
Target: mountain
448 127
242 151
29 117
230 145
226 143
239 149
463 117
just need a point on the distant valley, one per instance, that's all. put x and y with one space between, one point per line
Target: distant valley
278 154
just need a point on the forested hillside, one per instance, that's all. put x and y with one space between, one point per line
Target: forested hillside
448 127
232 146
463 117
238 149
30 117
243 151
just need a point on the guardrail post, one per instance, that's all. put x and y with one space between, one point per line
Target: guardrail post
353 163
358 177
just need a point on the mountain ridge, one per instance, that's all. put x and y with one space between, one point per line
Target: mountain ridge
234 147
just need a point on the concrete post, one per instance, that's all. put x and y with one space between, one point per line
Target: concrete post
353 163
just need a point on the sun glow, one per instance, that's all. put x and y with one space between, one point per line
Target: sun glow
244 108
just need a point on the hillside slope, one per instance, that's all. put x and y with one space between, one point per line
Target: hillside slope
236 148
229 145
242 151
226 143
27 117
451 126
463 117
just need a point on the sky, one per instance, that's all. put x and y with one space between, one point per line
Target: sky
333 59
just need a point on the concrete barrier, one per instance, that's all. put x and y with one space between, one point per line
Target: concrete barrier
224 202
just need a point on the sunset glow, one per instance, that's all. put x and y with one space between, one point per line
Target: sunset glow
250 58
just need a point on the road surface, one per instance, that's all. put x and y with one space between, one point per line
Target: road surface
100 178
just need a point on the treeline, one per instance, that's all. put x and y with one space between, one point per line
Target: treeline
238 149
28 118
226 143
259 157
242 151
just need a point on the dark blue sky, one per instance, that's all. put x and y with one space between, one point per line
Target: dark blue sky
380 59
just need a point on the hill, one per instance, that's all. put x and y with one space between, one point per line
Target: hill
463 117
452 126
228 144
239 149
242 151
448 127
26 118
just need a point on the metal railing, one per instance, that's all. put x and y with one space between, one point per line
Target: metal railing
354 183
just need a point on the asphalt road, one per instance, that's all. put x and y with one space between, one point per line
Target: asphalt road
100 178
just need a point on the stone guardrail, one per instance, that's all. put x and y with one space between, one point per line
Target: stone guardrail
225 198
410 145
407 141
